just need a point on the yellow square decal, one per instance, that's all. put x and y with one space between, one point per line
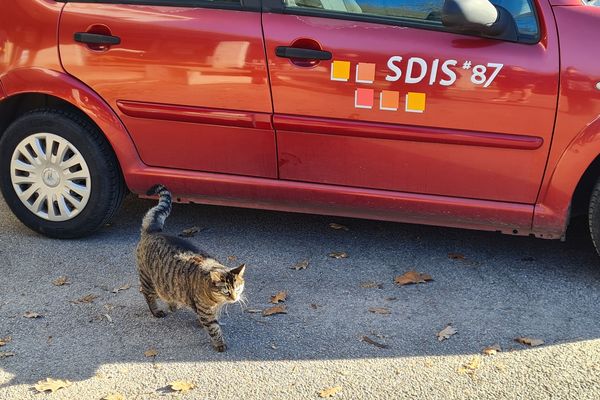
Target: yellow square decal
340 71
415 102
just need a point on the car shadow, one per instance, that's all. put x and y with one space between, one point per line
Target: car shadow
491 288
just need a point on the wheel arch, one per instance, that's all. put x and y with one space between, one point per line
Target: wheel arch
27 89
569 184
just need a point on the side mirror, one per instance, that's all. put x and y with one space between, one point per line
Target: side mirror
481 17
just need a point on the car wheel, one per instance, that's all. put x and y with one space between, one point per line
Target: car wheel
594 216
58 174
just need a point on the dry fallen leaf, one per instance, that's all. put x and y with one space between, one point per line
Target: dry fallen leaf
314 306
300 265
380 310
412 277
181 386
446 333
371 285
338 227
279 297
275 310
85 299
115 396
231 258
367 339
470 367
120 288
51 384
31 314
492 350
253 310
60 281
330 392
5 340
152 352
530 341
6 354
189 232
456 256
338 255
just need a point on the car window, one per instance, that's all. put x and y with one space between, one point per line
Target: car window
423 11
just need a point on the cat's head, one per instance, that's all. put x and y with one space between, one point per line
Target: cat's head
228 285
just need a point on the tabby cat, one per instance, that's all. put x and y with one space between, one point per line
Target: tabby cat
175 271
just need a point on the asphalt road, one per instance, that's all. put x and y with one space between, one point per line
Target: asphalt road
504 288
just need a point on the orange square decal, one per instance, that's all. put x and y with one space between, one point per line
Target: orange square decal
389 100
340 71
363 98
415 102
365 72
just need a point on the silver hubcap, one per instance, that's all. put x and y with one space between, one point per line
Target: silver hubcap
50 177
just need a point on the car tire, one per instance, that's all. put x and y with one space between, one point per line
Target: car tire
594 216
58 174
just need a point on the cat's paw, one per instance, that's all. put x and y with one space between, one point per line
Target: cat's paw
159 314
220 347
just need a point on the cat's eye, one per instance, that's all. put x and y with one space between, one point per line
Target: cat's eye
225 291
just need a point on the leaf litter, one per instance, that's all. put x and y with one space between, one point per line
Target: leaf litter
181 386
530 341
380 310
330 392
5 340
300 265
51 385
85 299
492 350
61 281
412 278
280 309
338 227
338 255
190 232
121 288
279 297
151 352
470 367
370 341
32 315
446 333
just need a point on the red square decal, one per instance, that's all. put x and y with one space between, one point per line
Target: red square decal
363 98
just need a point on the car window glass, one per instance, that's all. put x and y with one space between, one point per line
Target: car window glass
424 11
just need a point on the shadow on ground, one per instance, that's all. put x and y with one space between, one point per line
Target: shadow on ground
504 288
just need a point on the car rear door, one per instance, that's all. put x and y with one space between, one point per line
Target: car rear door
187 78
406 105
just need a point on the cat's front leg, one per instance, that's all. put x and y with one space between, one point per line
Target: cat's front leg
214 330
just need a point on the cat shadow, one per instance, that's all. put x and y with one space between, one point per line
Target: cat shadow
492 289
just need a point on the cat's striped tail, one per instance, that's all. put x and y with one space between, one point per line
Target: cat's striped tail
154 220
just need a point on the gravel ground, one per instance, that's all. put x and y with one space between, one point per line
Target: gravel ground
505 287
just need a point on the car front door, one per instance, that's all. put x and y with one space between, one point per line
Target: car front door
188 78
405 105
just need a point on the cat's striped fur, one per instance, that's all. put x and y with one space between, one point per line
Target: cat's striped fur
175 271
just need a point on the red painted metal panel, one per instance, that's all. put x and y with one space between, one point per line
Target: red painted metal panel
521 100
214 148
576 143
335 200
186 57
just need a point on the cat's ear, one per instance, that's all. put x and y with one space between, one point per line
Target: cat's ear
216 277
239 271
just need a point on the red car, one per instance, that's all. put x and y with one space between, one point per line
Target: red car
459 113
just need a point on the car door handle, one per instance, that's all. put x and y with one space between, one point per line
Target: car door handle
303 54
94 38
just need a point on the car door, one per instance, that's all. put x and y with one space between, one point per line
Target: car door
405 105
187 78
